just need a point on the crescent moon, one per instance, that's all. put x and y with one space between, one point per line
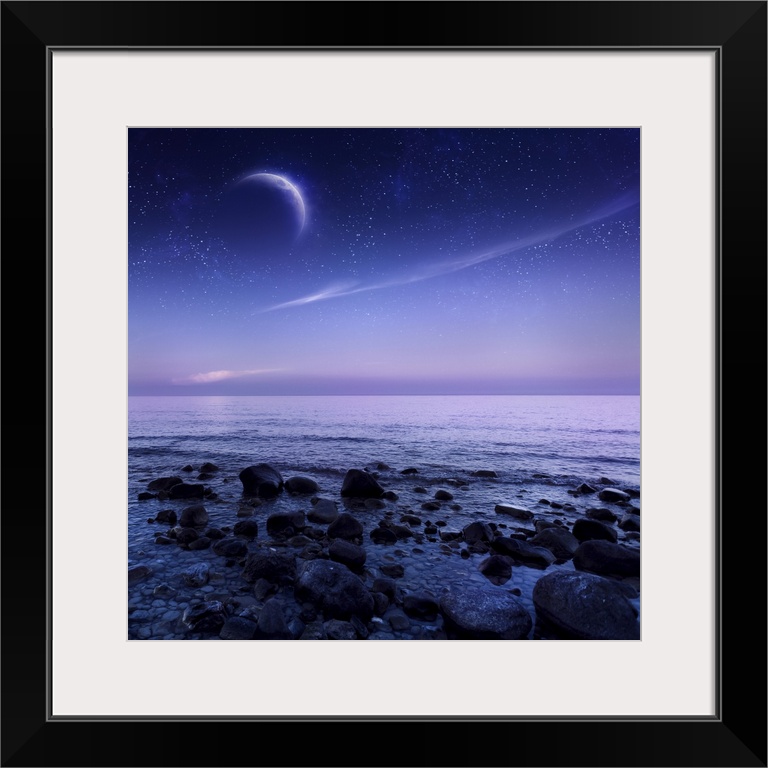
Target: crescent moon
282 183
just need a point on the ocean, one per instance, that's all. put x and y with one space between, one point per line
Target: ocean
540 448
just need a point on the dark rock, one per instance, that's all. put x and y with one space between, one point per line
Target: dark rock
442 495
163 540
398 620
285 524
409 471
560 542
345 526
196 575
517 512
419 489
544 501
497 569
477 531
214 533
393 570
430 506
361 485
164 483
205 476
585 529
275 567
390 496
188 468
421 606
300 485
375 504
186 536
314 631
484 473
383 536
585 607
166 516
430 530
383 467
522 552
261 480
606 481
336 629
348 554
410 519
542 525
324 511
334 589
584 488
612 494
209 467
248 529
380 603
233 549
386 586
193 517
607 559
138 572
238 628
555 505
186 491
272 624
476 613
202 543
602 514
629 522
400 531
205 617
450 535
360 628
146 495
633 492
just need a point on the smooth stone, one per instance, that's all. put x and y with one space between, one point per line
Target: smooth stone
275 567
585 529
334 589
238 628
607 559
476 613
198 544
348 554
195 575
205 617
261 480
193 517
517 512
560 542
477 531
336 629
484 473
138 573
421 606
166 516
602 514
613 494
186 491
360 485
345 526
248 529
629 522
523 552
497 569
300 485
442 495
272 624
383 536
324 511
164 483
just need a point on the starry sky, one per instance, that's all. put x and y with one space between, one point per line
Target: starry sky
383 261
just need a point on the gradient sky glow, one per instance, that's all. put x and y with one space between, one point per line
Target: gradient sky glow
384 261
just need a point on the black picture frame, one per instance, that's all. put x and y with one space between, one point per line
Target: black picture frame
736 736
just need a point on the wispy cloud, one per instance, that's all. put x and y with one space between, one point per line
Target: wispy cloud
427 271
214 376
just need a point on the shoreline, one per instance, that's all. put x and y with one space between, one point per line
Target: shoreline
402 556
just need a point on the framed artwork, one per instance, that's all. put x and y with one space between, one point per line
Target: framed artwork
400 260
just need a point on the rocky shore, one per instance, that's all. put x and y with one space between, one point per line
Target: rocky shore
391 554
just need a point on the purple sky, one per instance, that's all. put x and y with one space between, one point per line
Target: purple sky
384 261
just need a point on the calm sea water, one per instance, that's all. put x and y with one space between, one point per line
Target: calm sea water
570 439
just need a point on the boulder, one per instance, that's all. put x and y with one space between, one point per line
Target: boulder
630 522
383 536
248 529
205 617
233 549
138 572
323 511
334 589
238 628
272 624
607 559
442 495
517 512
421 606
497 569
300 485
146 496
522 552
484 473
284 524
477 531
348 554
584 488
585 529
209 467
275 567
583 606
193 517
559 541
361 485
602 514
185 536
202 543
345 526
409 471
336 629
166 516
613 494
164 483
477 613
196 575
261 480
187 491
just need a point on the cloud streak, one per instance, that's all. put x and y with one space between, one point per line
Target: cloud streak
214 376
425 272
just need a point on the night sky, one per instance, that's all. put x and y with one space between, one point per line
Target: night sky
384 261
